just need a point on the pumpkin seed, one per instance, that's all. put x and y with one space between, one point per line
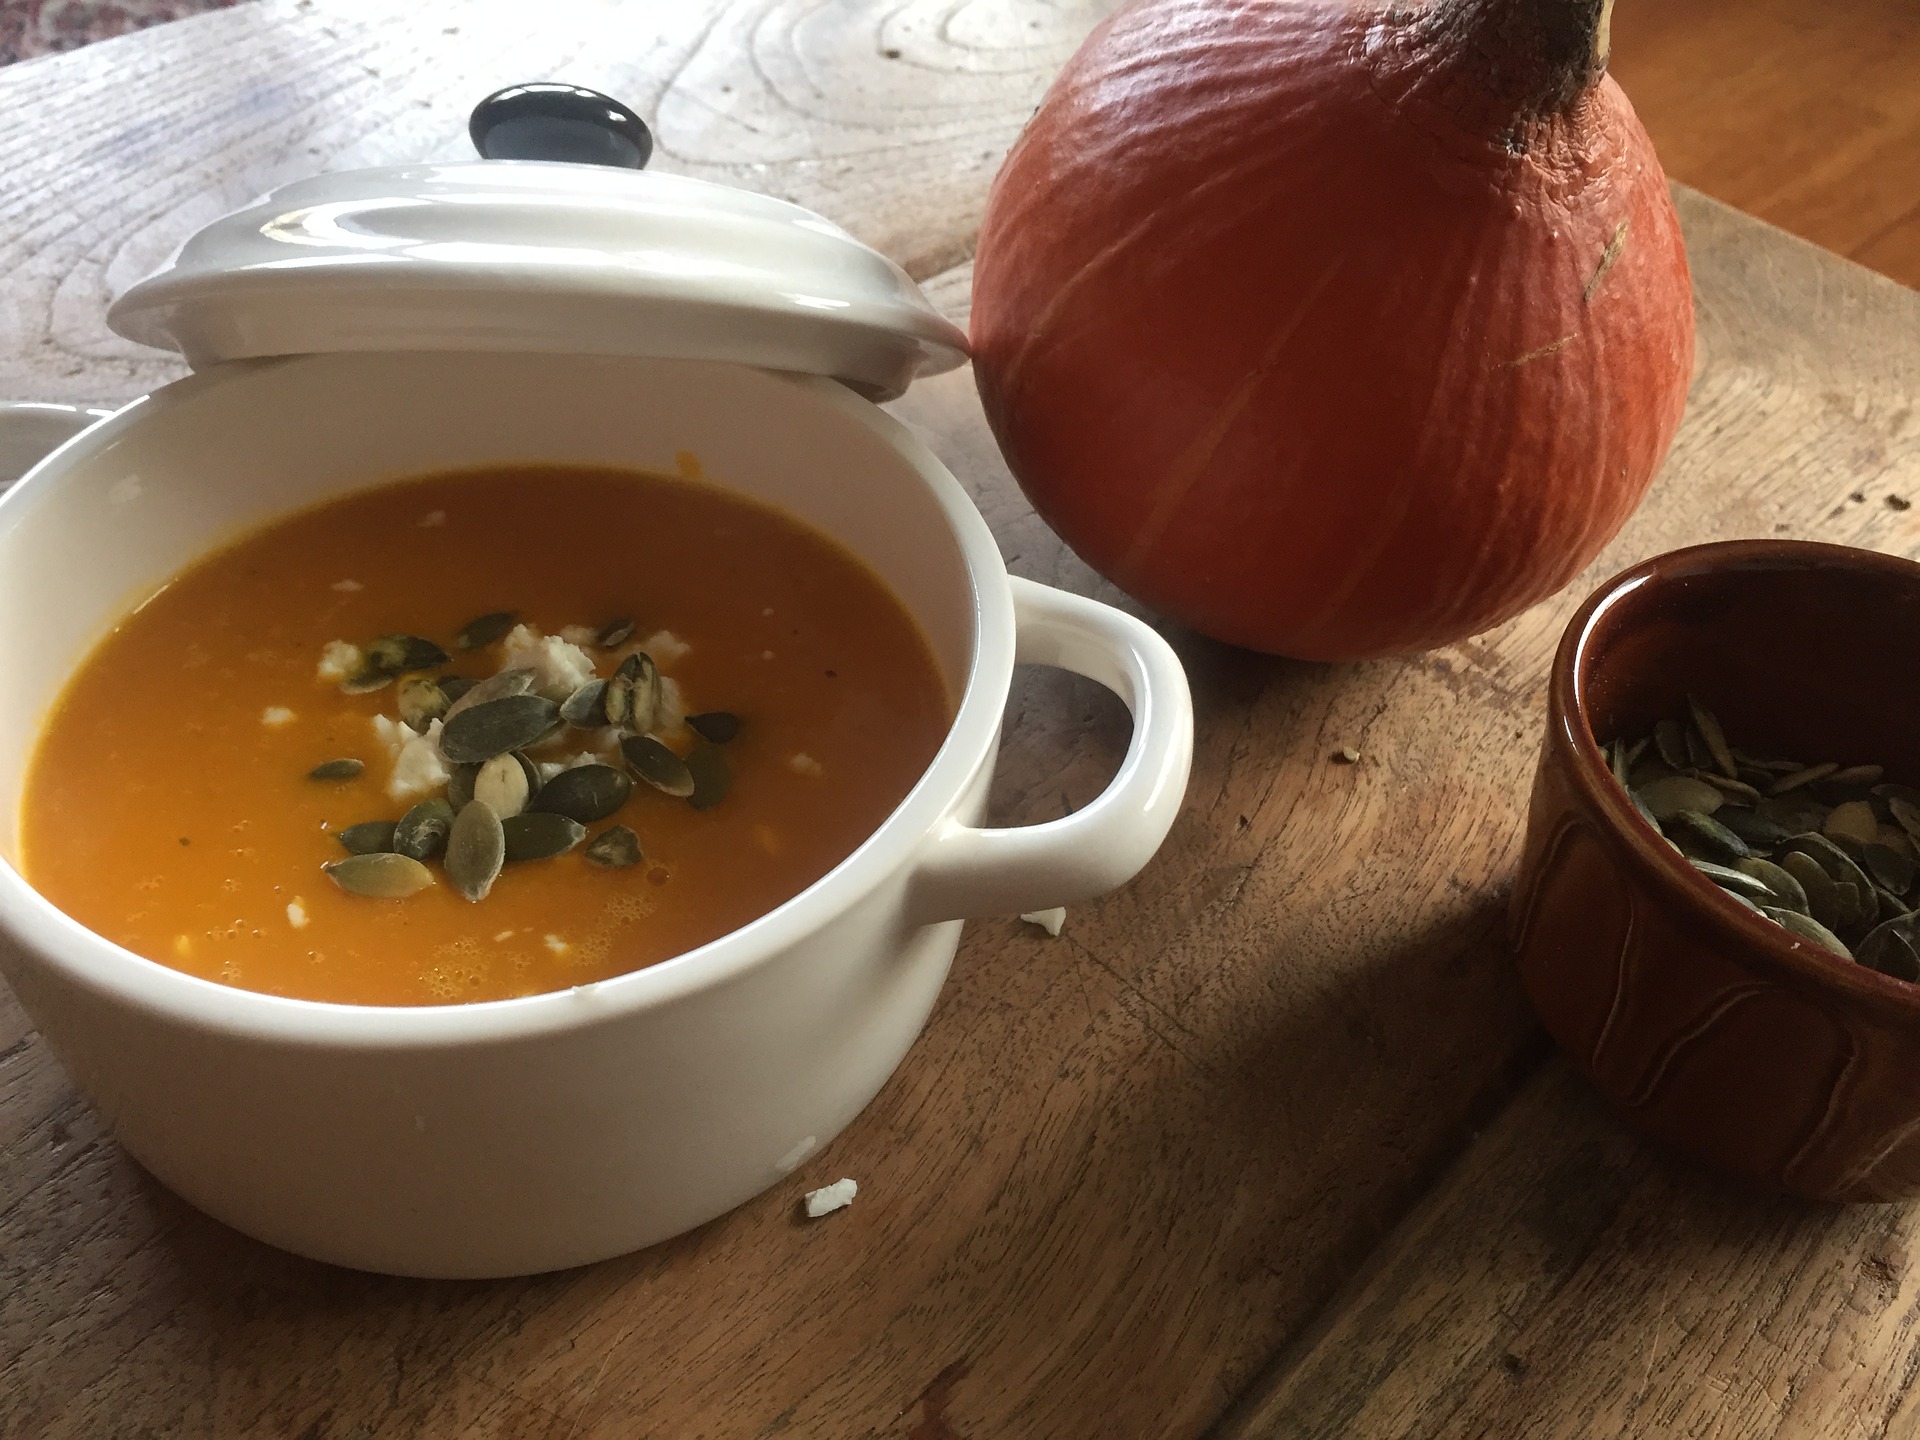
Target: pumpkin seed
720 726
494 727
1754 827
1803 777
1906 814
482 631
1835 861
1670 739
476 849
1890 906
614 634
1854 821
336 770
712 776
398 654
1766 763
369 837
495 687
657 765
422 701
366 682
1708 726
538 835
1736 881
1680 792
614 849
455 686
1858 775
1888 867
382 876
1616 755
585 793
1823 897
633 694
1707 835
422 831
460 780
586 708
1807 928
1788 892
503 785
1889 948
1735 792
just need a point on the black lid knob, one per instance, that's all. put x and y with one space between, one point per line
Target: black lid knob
546 121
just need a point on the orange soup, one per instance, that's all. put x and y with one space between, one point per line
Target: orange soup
675 707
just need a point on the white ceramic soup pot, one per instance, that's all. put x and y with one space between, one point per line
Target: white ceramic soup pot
526 1135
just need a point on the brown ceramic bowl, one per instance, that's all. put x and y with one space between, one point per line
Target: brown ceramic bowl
1715 1030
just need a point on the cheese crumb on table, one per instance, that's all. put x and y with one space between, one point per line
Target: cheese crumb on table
829 1198
1050 921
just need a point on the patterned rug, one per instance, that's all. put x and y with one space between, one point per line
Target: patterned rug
41 27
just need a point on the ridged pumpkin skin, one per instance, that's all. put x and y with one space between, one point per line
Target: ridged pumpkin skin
1293 328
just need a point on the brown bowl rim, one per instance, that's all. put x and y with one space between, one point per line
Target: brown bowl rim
1763 945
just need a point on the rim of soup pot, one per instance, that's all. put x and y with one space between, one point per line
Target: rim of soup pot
895 846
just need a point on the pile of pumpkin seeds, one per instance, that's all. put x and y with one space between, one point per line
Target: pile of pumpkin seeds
1829 851
497 810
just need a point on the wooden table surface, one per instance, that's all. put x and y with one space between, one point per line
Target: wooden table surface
1267 1144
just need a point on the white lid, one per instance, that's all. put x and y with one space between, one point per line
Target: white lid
539 256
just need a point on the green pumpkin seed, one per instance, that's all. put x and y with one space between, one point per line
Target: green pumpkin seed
1807 928
1835 861
1823 896
476 849
455 686
1858 775
633 695
518 681
336 770
586 708
1736 881
1788 892
1708 837
712 776
1670 739
585 793
503 785
1905 813
1889 948
366 682
1803 777
460 780
1708 726
421 701
657 765
1735 792
614 849
1853 821
538 835
1680 792
1888 867
1889 906
482 631
1754 827
1766 763
379 876
369 837
720 726
614 634
494 727
423 830
399 654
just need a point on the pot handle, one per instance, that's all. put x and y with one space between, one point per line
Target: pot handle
968 872
30 432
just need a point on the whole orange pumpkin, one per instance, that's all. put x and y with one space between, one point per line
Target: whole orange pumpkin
1335 329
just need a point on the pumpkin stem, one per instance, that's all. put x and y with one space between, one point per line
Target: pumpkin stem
1539 56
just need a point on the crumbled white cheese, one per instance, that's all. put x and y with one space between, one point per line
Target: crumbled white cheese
550 768
665 647
340 661
276 715
433 519
392 734
297 913
1048 920
557 945
419 768
673 707
804 764
347 587
559 668
581 635
829 1198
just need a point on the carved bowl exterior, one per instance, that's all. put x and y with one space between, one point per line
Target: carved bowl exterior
1713 1030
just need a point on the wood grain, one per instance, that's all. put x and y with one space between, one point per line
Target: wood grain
1122 1170
1807 115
